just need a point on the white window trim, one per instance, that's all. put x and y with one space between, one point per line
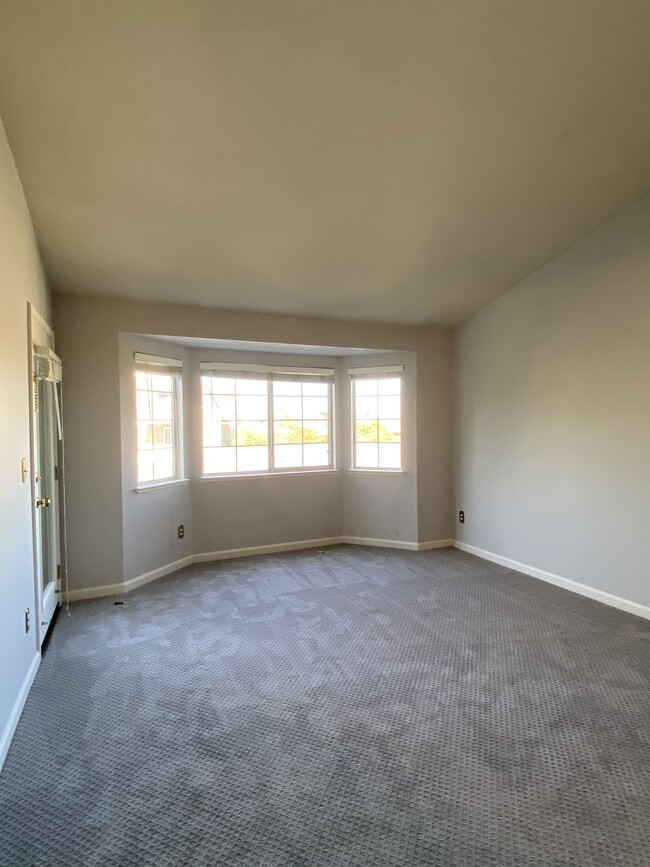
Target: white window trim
156 486
389 372
377 471
376 372
272 374
291 471
168 367
311 372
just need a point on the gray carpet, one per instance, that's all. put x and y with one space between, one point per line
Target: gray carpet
355 707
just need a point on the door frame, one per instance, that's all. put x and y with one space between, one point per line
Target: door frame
37 325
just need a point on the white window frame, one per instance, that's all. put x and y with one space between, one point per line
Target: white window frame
271 375
375 373
173 367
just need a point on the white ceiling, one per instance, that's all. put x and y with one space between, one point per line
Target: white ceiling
367 159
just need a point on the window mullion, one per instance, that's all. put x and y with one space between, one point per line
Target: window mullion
330 425
302 424
175 449
270 424
236 430
353 461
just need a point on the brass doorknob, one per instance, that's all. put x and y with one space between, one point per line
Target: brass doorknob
43 501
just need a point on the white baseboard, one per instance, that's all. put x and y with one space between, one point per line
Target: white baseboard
436 543
254 551
559 581
129 584
93 592
139 580
17 709
380 543
398 543
208 557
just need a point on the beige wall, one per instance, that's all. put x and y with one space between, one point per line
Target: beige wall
246 512
552 415
21 281
383 506
107 522
150 520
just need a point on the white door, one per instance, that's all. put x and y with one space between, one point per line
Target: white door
47 453
47 498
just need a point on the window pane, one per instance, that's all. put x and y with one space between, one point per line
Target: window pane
218 433
252 386
252 458
218 385
390 456
315 431
156 409
145 435
162 406
219 405
389 407
152 381
163 434
365 387
253 408
367 455
219 460
315 407
282 387
163 464
160 382
392 385
287 407
378 423
142 379
145 466
252 433
317 455
287 432
288 456
366 407
366 431
143 405
315 389
228 433
389 430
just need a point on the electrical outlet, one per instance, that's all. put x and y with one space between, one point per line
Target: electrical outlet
181 531
28 621
461 517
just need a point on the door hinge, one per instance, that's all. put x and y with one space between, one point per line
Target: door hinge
58 572
56 474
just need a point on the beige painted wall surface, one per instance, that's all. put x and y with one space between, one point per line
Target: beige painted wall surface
434 437
150 520
21 280
377 506
88 329
88 347
246 512
552 415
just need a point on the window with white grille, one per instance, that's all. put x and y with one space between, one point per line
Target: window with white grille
158 383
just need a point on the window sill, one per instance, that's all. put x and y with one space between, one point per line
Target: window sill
376 472
277 474
157 486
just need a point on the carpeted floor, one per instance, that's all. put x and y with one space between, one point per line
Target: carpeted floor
353 707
